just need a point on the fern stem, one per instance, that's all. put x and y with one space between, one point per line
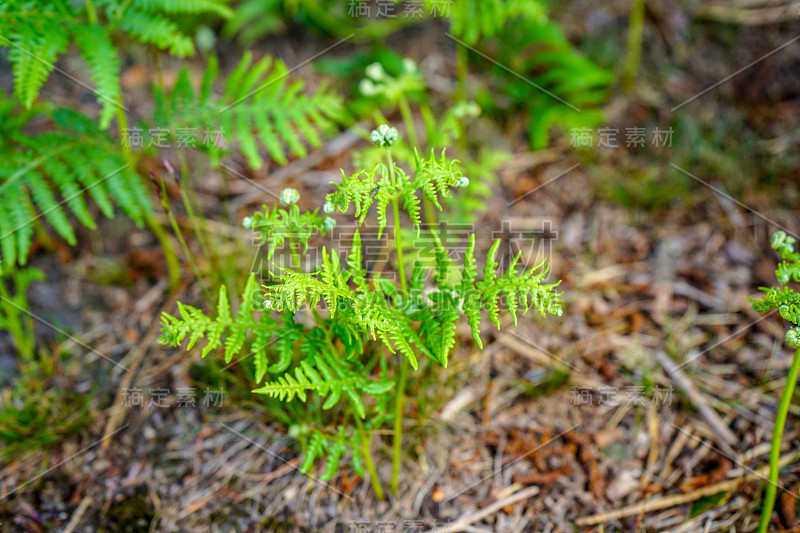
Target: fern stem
462 70
777 437
398 423
634 46
91 12
373 472
173 265
401 377
295 254
408 120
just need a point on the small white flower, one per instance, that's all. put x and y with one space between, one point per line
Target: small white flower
384 136
409 66
329 207
368 88
247 222
289 196
267 304
462 182
329 223
467 109
376 72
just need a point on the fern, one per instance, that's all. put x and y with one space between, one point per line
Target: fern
42 174
784 299
472 20
260 107
569 88
338 360
434 176
37 32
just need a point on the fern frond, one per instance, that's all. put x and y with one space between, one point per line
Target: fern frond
261 107
520 289
186 6
101 56
472 20
33 52
435 176
153 28
280 224
355 261
471 305
784 299
44 173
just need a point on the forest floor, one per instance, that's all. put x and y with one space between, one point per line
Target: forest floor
647 406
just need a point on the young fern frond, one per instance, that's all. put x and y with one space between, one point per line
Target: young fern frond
278 225
260 107
784 299
337 358
434 176
42 174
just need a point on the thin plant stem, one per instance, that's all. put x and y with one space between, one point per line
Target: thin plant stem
179 234
295 254
91 13
408 120
173 265
398 424
777 437
198 223
373 472
634 46
401 377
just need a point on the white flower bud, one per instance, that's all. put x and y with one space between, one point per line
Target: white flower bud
368 88
329 223
462 182
376 72
329 207
247 222
384 136
267 304
289 196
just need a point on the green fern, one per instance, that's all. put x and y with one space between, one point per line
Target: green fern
45 174
784 299
339 357
569 89
434 176
471 20
259 107
38 31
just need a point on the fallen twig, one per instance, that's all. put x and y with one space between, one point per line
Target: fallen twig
465 521
726 438
679 499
